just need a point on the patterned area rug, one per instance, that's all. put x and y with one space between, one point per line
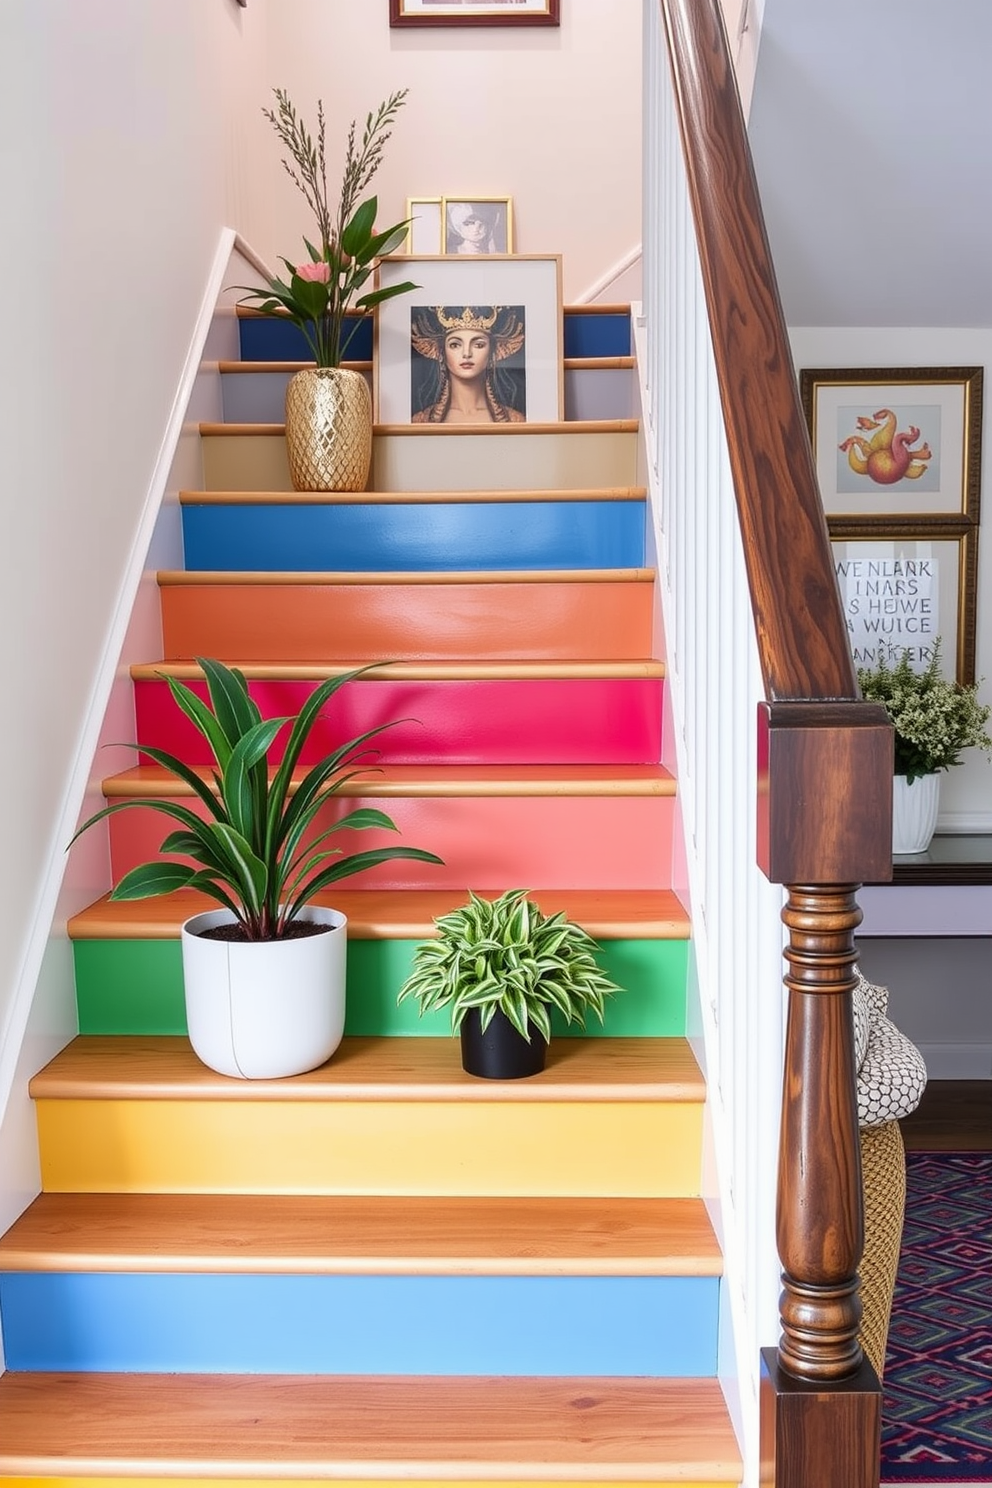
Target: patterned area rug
937 1415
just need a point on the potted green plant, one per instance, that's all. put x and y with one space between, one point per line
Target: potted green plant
328 407
263 975
933 719
503 967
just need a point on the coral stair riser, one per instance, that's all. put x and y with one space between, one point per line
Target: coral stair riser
387 617
352 536
581 841
385 1325
464 721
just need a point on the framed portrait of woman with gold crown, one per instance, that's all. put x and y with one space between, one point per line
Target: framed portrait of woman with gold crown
477 342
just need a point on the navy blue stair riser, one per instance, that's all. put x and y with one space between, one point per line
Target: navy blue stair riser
432 537
272 339
590 393
397 1325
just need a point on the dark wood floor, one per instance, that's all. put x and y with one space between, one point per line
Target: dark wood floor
953 1116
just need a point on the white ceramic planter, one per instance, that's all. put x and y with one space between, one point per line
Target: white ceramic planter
265 1009
914 812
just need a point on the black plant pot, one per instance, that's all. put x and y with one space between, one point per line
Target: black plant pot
501 1053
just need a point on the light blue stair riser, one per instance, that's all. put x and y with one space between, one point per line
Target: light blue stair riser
432 537
590 393
449 1325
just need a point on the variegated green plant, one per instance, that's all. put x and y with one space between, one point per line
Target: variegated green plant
255 852
505 953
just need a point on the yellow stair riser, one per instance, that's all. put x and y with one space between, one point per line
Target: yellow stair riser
401 462
623 1148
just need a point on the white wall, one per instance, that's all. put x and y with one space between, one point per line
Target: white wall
965 792
550 116
126 127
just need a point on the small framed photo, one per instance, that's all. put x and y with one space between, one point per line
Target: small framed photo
479 341
897 443
903 591
482 224
474 12
426 214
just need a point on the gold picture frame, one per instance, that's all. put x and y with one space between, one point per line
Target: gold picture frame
438 225
474 12
897 443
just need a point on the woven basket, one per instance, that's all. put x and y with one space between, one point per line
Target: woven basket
883 1170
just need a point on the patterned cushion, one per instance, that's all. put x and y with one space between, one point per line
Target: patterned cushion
891 1074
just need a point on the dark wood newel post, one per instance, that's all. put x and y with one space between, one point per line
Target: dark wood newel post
824 827
819 1219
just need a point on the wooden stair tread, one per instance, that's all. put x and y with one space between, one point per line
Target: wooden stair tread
571 364
407 498
170 578
417 671
437 780
306 1426
402 914
209 430
587 1070
363 1235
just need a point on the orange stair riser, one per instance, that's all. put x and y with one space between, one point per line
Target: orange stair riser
329 623
578 842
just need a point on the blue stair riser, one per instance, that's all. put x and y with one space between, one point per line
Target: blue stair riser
450 1325
590 393
275 339
429 537
271 339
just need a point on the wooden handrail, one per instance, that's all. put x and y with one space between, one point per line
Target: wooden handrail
802 639
824 787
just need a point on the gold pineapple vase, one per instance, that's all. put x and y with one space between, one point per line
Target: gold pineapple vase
328 429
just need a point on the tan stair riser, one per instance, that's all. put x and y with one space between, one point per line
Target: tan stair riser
402 461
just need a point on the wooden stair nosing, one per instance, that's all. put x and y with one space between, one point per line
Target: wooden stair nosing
360 1427
570 364
361 1236
200 578
210 430
439 781
402 914
164 1068
409 498
636 669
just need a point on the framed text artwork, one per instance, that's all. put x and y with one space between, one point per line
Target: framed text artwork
479 341
474 12
901 591
897 443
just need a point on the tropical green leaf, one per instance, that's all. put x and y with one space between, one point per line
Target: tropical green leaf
149 880
234 708
359 230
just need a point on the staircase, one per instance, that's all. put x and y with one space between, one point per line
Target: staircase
385 1270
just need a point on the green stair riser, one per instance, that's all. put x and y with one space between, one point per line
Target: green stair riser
135 987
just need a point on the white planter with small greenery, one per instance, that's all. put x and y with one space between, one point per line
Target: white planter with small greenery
503 967
253 1008
934 719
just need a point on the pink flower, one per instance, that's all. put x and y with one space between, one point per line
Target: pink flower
316 273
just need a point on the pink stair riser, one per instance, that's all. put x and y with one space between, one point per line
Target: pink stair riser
581 842
470 722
